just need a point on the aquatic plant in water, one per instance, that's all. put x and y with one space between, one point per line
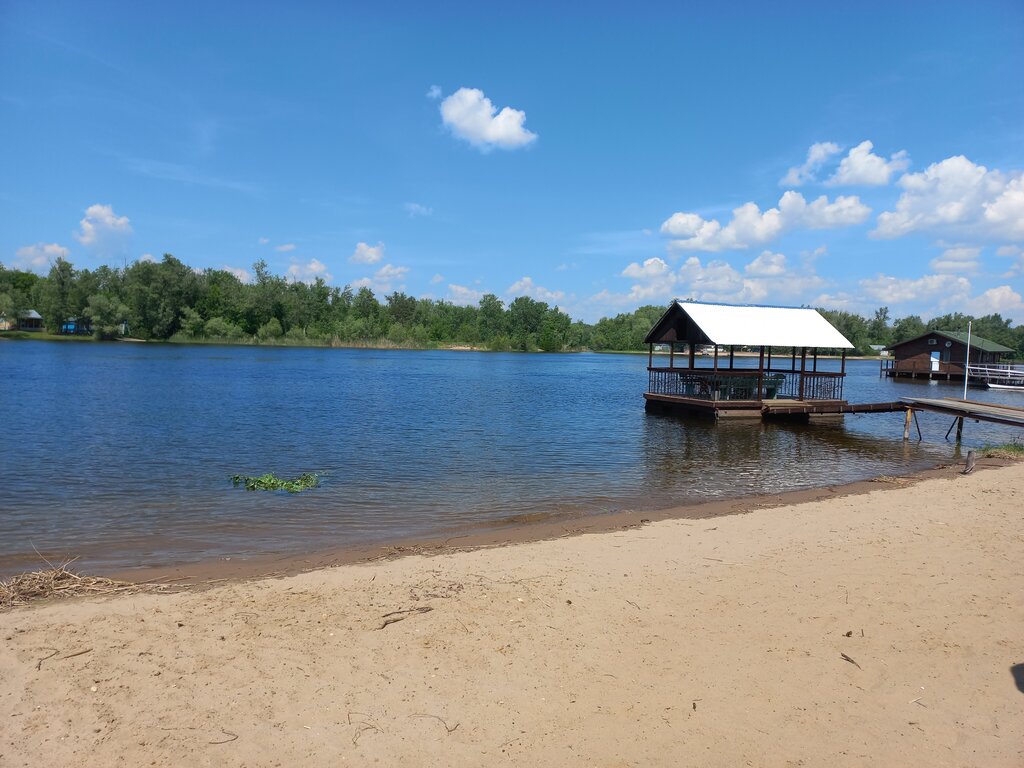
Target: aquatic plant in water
271 482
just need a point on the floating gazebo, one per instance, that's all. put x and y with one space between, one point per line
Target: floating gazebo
702 375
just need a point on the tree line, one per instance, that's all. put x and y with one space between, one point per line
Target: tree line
169 301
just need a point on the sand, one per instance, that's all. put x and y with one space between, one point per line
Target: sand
883 628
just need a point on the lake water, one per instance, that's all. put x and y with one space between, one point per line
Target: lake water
121 453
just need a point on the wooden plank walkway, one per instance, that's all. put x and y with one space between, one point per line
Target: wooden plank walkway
968 409
812 407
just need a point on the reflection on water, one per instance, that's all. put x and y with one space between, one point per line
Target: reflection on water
121 453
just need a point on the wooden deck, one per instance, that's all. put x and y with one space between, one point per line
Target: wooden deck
765 409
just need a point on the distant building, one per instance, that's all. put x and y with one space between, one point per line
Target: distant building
28 320
941 355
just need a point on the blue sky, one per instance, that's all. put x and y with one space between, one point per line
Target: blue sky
596 156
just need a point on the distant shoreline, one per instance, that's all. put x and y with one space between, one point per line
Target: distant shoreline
314 344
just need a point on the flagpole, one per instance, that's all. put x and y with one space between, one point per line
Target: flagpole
967 360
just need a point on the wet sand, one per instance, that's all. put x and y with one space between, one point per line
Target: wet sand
876 625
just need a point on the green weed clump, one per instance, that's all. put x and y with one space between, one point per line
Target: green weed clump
271 482
1012 450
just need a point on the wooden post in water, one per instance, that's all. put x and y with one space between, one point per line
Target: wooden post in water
959 428
803 369
906 423
760 375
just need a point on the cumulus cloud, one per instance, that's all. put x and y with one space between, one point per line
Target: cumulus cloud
526 287
438 278
103 231
308 272
861 166
957 258
1016 253
416 209
944 289
1002 299
285 247
384 280
38 257
463 295
471 116
817 156
750 226
434 92
959 197
768 264
367 254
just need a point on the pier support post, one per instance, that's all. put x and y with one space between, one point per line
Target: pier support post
906 423
959 428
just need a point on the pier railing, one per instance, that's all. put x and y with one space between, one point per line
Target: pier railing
742 385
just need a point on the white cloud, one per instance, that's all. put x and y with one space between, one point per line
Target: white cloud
103 231
862 166
38 257
438 278
957 258
463 295
957 196
148 257
434 92
768 264
526 287
366 254
242 275
471 116
946 290
384 280
1016 253
750 226
285 248
416 209
264 240
308 272
1002 299
817 156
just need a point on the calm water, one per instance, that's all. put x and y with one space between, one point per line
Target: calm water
121 453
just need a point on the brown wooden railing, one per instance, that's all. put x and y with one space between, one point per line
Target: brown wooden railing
733 385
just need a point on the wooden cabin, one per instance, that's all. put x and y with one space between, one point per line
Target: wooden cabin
941 355
780 375
27 320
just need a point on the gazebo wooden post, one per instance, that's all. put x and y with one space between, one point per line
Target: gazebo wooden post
731 348
716 358
769 358
815 368
792 366
650 356
692 351
671 354
803 369
842 364
760 375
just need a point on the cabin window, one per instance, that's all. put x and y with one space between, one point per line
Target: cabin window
933 342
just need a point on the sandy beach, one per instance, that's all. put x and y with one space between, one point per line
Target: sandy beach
880 628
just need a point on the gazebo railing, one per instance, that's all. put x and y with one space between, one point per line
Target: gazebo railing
742 385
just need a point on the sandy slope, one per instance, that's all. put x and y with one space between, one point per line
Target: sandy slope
707 642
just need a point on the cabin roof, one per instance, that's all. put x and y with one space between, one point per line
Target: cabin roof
977 342
755 326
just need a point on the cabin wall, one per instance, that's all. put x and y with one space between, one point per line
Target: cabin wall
918 353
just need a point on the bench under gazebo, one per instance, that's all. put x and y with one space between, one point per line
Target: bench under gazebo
702 375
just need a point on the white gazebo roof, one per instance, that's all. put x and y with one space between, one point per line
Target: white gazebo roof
752 326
